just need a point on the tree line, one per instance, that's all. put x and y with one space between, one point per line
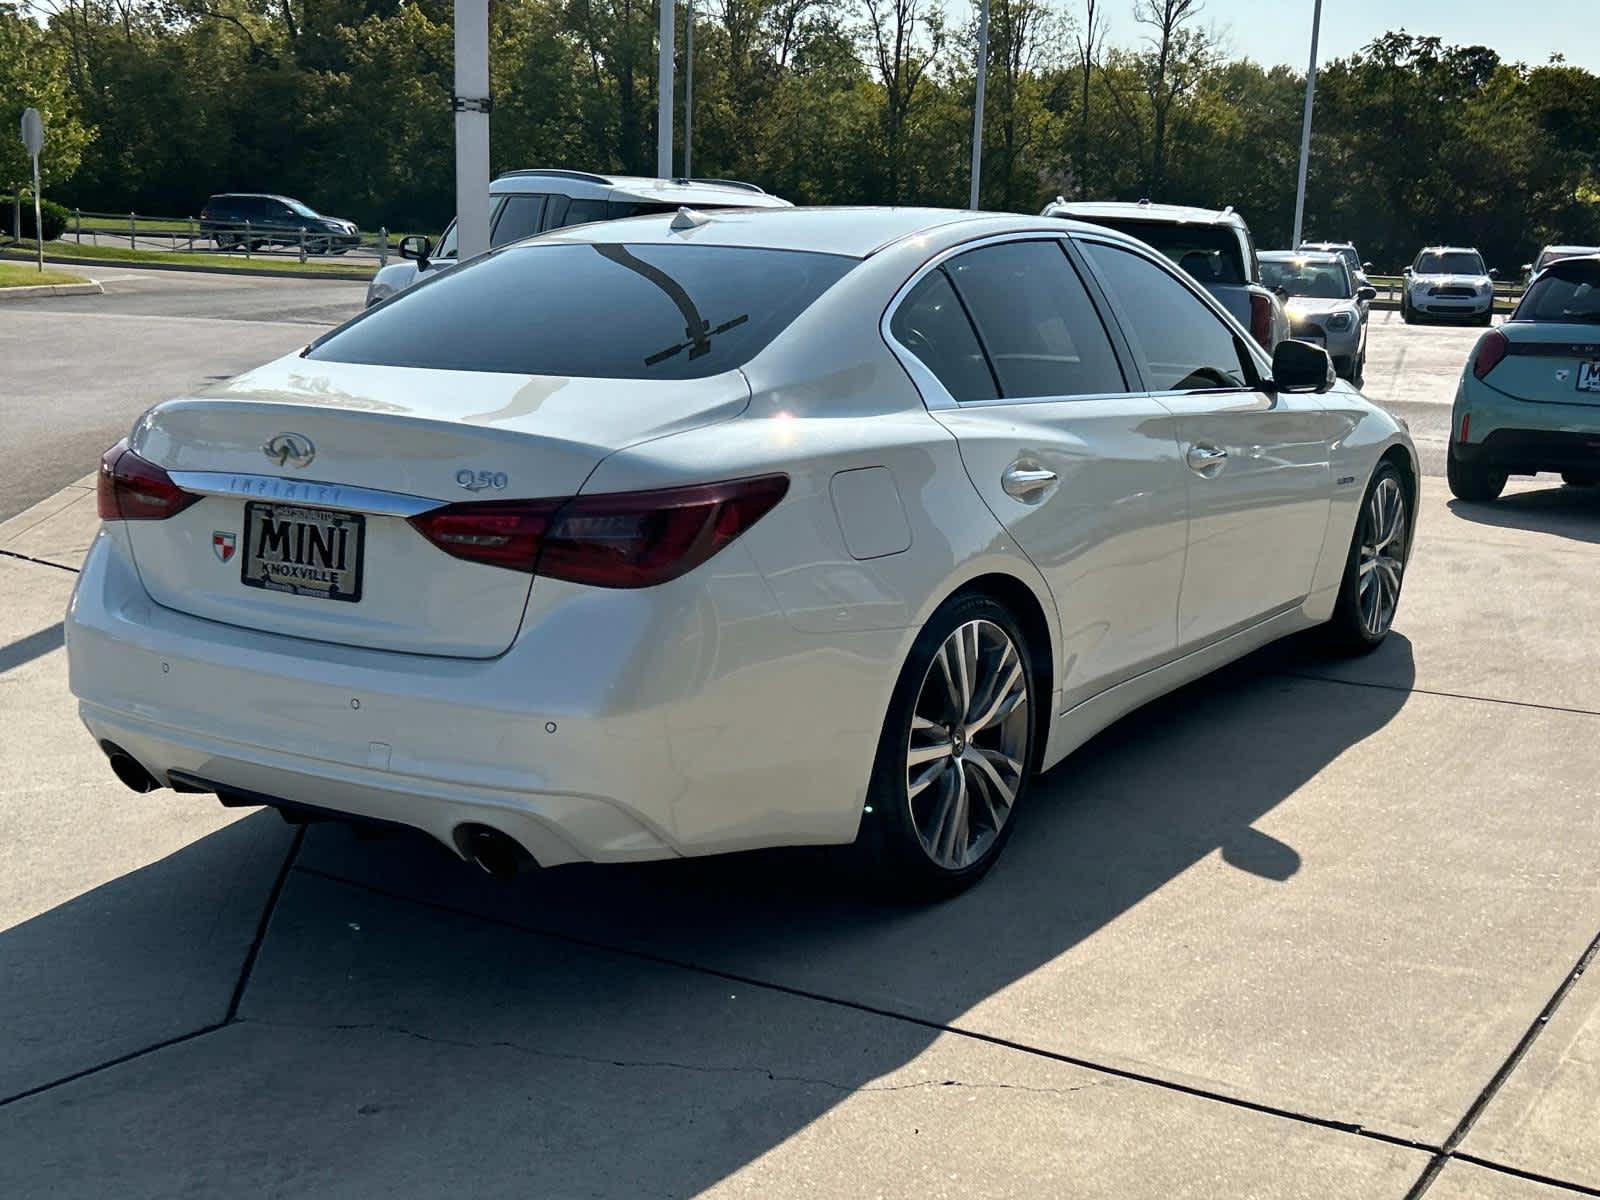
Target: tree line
152 105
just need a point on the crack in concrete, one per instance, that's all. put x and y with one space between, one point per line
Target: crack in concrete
662 1064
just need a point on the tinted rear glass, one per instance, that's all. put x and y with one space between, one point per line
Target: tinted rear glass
1569 293
603 311
1209 253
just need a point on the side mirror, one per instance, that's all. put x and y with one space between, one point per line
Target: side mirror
1527 268
1366 266
1494 272
1367 293
1301 367
417 248
1407 271
1281 292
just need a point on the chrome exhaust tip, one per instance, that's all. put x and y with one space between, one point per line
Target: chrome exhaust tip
495 853
126 768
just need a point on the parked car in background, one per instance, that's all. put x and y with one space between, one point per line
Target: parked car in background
809 526
256 219
1552 254
1213 247
1326 306
523 203
1448 281
1529 398
1346 251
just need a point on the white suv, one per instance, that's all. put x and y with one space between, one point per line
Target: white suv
1448 281
523 203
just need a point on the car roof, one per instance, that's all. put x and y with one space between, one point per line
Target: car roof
1321 257
1142 210
1449 250
856 232
1573 250
647 190
1325 246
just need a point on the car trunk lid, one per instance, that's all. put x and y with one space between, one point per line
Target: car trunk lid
1549 363
310 470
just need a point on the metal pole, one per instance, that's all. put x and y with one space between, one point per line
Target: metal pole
38 224
472 128
688 91
977 107
664 104
1305 129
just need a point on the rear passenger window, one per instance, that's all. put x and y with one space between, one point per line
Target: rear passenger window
1036 322
931 324
580 212
519 218
1182 345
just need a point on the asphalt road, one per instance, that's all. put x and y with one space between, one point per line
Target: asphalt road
81 368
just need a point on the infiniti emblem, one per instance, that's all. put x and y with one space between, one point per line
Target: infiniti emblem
295 449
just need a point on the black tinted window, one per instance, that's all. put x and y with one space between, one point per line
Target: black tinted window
580 212
1182 345
1037 324
1450 262
607 311
1210 253
931 324
1571 292
519 218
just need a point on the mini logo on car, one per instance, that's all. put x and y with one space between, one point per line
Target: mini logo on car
1563 374
223 544
293 449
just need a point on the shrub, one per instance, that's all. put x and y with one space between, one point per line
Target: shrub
54 216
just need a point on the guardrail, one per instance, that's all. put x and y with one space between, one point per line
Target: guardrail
1506 292
193 235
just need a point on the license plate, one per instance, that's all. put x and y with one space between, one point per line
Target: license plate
304 551
1316 339
1589 376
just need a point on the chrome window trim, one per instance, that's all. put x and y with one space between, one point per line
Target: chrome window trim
303 491
934 394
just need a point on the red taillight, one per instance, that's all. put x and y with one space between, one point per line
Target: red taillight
619 540
130 488
1261 319
1466 426
1490 351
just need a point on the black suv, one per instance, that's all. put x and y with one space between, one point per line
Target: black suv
236 218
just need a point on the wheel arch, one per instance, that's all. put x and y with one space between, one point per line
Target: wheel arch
1020 600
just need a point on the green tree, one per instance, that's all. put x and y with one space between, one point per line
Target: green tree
33 74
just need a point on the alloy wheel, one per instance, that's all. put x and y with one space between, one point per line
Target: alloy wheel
968 747
1382 557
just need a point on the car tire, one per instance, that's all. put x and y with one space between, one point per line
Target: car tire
1487 318
1579 480
936 818
1473 482
1406 314
1369 596
1358 377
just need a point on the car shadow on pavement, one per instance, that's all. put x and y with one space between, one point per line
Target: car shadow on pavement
410 1024
1569 512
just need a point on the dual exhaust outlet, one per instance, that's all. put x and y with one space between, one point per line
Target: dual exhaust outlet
495 853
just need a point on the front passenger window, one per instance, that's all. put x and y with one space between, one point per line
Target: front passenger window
1182 345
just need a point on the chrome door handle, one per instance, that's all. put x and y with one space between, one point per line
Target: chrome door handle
1206 459
1028 484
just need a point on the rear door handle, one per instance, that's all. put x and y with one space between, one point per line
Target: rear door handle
1206 459
1029 484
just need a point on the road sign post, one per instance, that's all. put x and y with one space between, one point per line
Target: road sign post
33 142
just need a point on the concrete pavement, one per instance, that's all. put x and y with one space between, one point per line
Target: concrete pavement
1294 931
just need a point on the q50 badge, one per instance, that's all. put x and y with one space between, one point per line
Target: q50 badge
476 481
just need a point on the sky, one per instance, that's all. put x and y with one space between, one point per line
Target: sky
1279 31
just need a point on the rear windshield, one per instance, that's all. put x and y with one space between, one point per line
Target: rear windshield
1323 281
1210 253
1570 292
606 311
1450 262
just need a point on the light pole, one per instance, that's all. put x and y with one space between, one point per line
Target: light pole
977 107
1305 128
664 105
471 104
688 90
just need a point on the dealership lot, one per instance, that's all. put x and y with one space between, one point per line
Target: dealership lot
1285 933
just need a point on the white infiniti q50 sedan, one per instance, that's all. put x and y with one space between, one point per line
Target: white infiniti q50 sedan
680 535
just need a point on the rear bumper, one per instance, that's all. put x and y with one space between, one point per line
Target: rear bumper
619 726
1525 451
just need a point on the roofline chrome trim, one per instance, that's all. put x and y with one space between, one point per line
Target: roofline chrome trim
303 491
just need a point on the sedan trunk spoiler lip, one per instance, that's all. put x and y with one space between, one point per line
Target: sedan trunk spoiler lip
304 491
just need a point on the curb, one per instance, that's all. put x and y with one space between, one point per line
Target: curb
90 287
131 265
